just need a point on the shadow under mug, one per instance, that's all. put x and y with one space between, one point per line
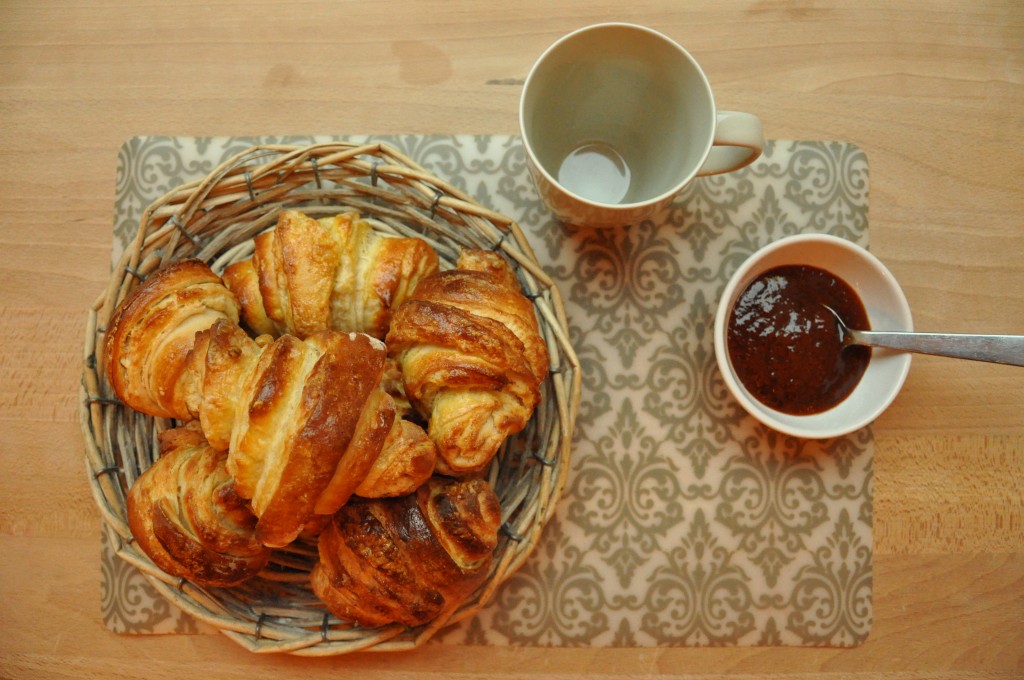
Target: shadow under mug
617 119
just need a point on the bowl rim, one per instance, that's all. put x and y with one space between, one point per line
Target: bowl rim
808 427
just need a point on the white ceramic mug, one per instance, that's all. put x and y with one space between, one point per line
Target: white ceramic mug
616 119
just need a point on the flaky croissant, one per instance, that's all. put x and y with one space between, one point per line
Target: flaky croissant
306 422
334 273
152 331
472 359
408 559
185 514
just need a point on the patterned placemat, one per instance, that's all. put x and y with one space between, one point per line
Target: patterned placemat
684 522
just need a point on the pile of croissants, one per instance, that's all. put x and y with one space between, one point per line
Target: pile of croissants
338 386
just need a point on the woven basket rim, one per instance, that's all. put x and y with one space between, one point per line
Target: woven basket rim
214 218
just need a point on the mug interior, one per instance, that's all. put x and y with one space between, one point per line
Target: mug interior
627 87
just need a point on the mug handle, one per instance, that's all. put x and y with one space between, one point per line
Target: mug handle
739 140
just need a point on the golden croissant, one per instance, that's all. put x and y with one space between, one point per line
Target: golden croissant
185 514
305 422
152 331
469 349
309 275
410 559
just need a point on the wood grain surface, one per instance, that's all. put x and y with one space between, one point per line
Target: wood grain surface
932 90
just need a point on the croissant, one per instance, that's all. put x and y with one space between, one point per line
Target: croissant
337 273
408 559
152 331
471 357
185 514
306 423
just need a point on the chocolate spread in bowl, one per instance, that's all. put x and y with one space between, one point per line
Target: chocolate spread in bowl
785 346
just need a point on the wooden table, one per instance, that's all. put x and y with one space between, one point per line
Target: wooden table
932 91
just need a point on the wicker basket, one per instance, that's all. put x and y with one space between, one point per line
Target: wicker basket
214 220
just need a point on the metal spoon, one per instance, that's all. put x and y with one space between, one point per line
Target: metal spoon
999 349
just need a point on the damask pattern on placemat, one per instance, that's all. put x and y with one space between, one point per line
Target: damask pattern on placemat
684 522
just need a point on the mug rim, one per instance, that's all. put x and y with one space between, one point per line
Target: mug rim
618 207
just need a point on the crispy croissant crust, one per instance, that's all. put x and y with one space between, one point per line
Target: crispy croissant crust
409 559
472 359
306 423
185 514
152 331
406 461
337 273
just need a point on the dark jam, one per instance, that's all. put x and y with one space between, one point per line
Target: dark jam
785 346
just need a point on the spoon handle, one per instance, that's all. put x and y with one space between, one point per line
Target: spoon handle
999 349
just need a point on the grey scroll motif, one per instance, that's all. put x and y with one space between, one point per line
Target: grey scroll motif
684 522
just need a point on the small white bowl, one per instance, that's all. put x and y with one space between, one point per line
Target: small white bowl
886 307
